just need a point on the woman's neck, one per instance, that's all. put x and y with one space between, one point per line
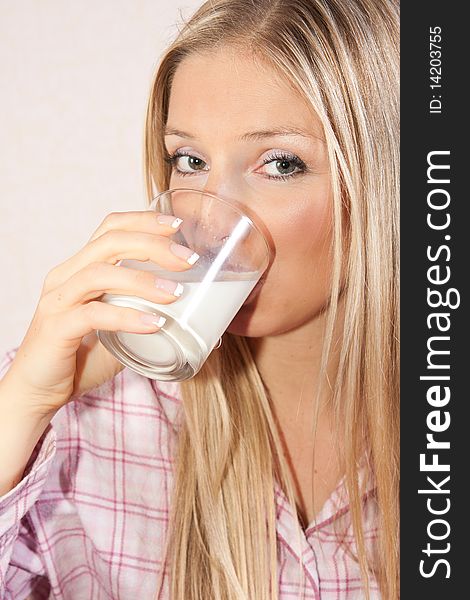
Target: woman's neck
289 364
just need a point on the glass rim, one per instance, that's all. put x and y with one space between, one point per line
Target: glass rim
229 204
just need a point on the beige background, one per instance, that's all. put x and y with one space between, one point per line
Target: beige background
75 79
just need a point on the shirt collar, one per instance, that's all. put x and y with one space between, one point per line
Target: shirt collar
169 397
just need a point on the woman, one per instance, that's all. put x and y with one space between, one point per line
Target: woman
273 473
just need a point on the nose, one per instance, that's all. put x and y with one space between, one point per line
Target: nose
241 199
229 229
224 183
229 194
231 188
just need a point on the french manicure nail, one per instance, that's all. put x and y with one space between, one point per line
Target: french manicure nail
186 253
170 220
172 287
151 319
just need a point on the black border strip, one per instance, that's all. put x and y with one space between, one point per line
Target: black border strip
434 255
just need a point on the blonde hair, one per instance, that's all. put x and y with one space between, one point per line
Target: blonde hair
342 57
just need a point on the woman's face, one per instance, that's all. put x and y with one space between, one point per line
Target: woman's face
236 130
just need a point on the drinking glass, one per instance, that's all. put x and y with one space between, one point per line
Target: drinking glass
234 253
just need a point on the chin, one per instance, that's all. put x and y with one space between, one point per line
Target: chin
244 323
260 317
253 321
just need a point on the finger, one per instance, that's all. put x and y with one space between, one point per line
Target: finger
98 278
75 324
147 221
116 245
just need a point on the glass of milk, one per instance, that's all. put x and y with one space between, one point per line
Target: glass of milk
234 253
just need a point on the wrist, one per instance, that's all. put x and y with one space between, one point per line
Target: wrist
21 427
18 402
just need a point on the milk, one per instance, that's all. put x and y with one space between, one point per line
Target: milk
203 312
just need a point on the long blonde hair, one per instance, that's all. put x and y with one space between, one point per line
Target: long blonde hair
342 57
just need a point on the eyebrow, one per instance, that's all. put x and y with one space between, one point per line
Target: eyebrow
250 135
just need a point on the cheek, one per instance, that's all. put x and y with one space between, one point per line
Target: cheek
298 282
302 251
303 231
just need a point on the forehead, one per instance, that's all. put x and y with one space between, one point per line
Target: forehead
227 88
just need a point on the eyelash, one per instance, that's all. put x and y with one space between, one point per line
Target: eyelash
295 160
301 166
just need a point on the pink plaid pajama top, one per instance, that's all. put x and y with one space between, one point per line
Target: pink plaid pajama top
89 517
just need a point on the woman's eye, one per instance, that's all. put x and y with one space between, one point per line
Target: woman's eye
185 164
193 162
283 166
280 167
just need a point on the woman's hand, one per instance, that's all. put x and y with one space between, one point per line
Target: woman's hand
60 355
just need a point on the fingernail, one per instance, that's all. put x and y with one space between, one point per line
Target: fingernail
170 220
172 287
182 252
151 319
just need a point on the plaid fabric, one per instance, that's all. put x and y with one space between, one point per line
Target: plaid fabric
88 519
